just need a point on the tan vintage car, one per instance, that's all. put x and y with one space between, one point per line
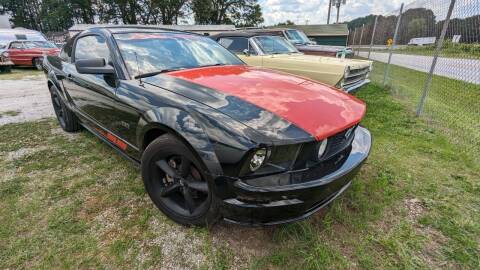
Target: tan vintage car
275 52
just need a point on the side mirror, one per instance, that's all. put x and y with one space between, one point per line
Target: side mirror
94 66
246 52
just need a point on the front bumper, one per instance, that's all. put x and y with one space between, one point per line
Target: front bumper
354 87
272 205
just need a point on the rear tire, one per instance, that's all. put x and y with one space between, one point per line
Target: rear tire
66 118
169 193
38 63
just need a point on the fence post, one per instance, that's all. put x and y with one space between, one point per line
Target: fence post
360 42
428 81
393 45
353 40
373 37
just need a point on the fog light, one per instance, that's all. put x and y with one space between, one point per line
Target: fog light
322 148
258 159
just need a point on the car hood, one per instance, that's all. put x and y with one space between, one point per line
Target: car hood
299 58
316 108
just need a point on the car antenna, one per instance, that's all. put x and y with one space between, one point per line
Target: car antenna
138 69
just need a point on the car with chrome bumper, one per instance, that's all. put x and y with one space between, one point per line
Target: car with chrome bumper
5 63
272 51
213 137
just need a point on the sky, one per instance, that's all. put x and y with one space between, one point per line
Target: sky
315 11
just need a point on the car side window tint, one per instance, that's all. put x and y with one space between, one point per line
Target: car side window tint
89 47
16 45
236 44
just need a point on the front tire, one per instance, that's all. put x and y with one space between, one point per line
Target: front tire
174 180
66 118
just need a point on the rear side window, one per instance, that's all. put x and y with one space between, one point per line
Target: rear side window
89 47
236 44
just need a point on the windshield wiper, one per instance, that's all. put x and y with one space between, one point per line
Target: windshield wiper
153 73
212 65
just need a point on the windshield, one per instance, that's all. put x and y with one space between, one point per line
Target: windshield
151 52
38 44
274 45
297 36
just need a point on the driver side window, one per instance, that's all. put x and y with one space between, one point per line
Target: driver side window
237 44
89 47
16 45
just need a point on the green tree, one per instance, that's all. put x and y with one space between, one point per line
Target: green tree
286 23
416 27
171 10
248 15
244 12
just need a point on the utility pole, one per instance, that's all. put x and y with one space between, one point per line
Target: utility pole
329 10
338 3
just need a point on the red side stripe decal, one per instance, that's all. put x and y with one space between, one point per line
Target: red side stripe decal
112 138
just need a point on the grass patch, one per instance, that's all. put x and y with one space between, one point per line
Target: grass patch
72 202
18 73
452 106
9 113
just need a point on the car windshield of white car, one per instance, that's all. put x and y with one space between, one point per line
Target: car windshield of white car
150 52
297 37
275 45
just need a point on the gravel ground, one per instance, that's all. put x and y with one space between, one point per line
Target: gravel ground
24 100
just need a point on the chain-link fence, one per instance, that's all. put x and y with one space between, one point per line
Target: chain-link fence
428 54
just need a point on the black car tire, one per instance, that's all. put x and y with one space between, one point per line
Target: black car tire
66 118
154 179
38 63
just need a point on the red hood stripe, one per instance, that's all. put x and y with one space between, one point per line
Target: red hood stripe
316 108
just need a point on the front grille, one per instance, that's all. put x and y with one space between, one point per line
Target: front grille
339 142
321 169
336 144
355 76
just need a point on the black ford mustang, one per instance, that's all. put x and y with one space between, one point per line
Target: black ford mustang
214 138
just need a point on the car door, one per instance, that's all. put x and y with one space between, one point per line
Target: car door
93 95
16 50
240 45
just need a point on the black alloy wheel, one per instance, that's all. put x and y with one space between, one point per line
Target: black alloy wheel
58 108
175 183
66 118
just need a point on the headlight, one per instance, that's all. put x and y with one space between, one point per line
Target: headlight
258 159
321 149
5 54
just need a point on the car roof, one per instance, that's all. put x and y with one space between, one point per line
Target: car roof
116 29
248 33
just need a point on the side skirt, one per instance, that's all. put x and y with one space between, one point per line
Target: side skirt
123 154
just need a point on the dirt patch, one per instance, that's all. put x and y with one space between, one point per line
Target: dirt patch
245 242
20 153
180 249
432 252
60 132
28 98
415 208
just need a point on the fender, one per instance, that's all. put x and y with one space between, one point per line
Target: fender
184 125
